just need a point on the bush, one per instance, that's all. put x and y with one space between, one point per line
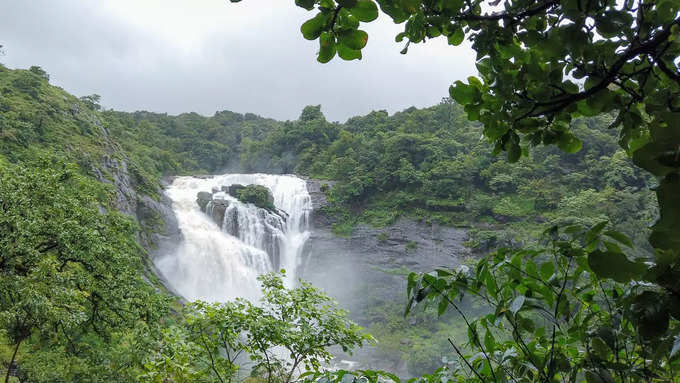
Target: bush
514 206
258 195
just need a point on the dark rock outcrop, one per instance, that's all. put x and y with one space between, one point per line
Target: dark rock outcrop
115 171
159 216
151 209
216 210
203 198
159 230
369 268
317 193
406 245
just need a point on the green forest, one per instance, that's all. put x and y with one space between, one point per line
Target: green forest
560 160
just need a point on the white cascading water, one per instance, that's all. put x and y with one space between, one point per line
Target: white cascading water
218 262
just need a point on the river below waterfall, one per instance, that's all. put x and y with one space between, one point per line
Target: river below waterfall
221 255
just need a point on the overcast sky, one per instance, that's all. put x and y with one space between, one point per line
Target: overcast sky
178 56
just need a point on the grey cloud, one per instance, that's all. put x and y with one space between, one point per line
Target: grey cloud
179 56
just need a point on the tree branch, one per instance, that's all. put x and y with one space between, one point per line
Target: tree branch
560 103
466 361
508 16
674 75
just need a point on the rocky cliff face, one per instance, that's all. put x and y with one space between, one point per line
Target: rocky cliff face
159 230
316 190
406 244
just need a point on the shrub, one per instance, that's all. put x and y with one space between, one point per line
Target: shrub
258 195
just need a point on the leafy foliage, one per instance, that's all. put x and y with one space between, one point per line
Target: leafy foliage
258 195
303 321
71 275
557 313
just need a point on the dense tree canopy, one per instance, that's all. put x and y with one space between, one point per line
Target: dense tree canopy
70 275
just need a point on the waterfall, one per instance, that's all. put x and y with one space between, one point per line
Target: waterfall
226 247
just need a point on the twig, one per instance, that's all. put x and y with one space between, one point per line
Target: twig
466 361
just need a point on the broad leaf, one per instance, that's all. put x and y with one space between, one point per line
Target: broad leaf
607 264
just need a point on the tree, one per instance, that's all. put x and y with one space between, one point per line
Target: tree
206 348
92 101
68 271
543 63
303 321
564 311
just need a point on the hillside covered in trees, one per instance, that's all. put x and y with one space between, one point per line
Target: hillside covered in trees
427 164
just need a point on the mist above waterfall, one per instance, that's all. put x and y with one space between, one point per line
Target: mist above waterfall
218 261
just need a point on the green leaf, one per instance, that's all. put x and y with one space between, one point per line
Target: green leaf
651 315
547 269
517 303
600 348
457 36
345 21
569 143
616 266
365 10
412 280
595 231
593 377
347 53
489 342
443 304
514 152
612 247
433 31
306 4
620 237
327 48
665 230
347 3
355 39
312 28
666 11
463 93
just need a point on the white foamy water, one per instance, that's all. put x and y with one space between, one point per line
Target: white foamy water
221 262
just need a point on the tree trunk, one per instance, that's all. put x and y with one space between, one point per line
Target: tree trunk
11 362
290 375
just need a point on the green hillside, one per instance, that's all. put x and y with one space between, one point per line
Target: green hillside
58 151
